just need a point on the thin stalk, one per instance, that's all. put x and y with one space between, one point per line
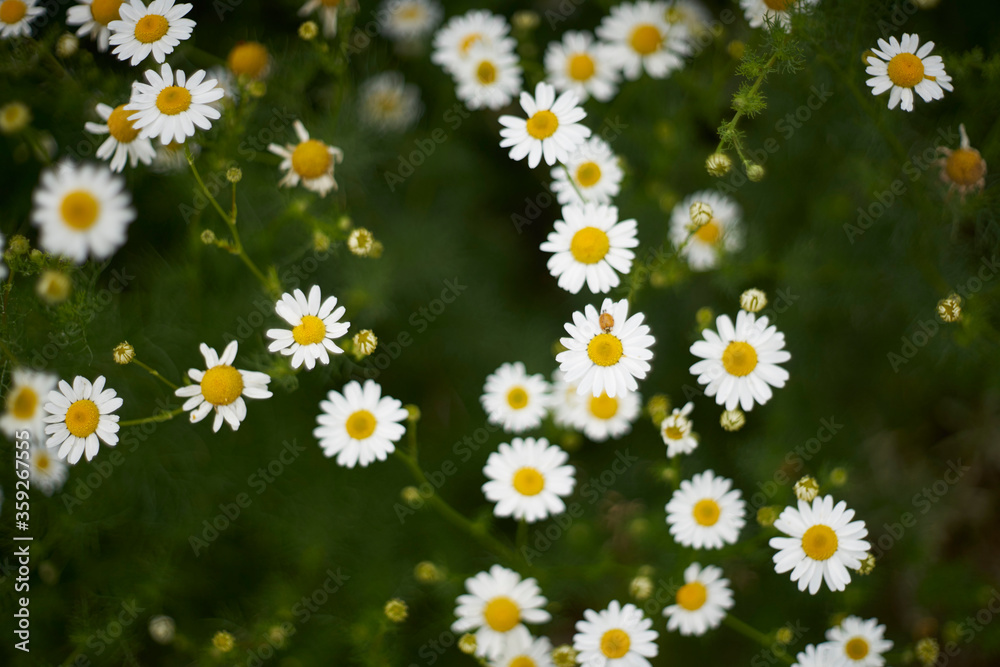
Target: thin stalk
757 636
160 417
155 373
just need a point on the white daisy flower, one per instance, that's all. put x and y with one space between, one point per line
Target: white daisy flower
858 643
759 12
677 432
123 143
81 210
595 173
528 479
478 26
823 543
702 601
583 65
222 387
488 77
79 415
93 17
310 161
359 425
606 351
407 20
47 473
640 37
16 17
902 68
171 109
706 512
388 103
23 404
590 245
552 128
814 656
515 400
328 11
155 29
738 363
523 651
619 636
496 607
723 233
602 417
315 325
564 401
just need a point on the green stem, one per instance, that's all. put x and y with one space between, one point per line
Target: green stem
155 373
161 417
739 114
572 182
756 635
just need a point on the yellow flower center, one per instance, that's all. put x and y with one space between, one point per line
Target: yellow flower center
120 127
581 67
819 542
706 512
23 403
82 418
12 11
150 28
311 159
589 245
42 460
604 349
528 481
615 643
486 72
739 359
469 41
646 39
410 12
360 425
906 70
248 59
778 5
522 661
674 433
172 100
543 124
692 596
856 648
965 166
709 232
105 11
79 209
221 385
311 331
603 406
588 174
517 398
502 614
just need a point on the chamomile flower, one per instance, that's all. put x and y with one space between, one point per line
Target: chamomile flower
123 143
552 128
249 60
640 37
706 512
156 29
858 643
23 404
488 77
222 387
759 12
315 325
522 650
962 168
902 69
407 20
722 234
619 636
740 364
602 417
515 400
172 104
359 425
607 350
582 65
329 11
590 245
81 210
591 172
16 17
48 474
80 415
478 26
816 656
677 432
496 607
701 603
823 543
93 17
564 401
388 103
528 479
310 162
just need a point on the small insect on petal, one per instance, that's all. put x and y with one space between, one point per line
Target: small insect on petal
607 322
